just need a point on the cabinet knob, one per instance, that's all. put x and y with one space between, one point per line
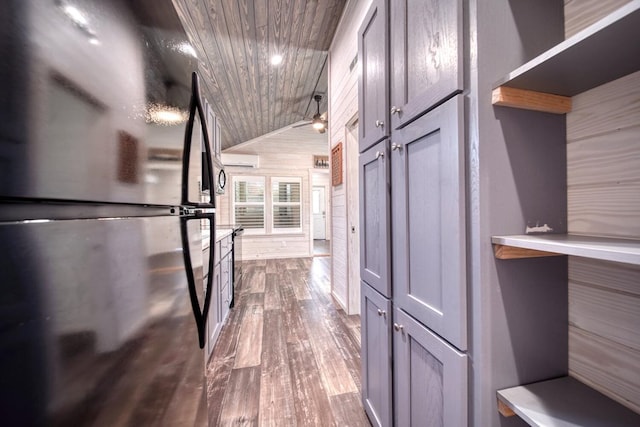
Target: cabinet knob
379 123
395 146
398 327
379 154
396 110
381 312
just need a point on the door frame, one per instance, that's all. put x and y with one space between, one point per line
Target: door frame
327 201
351 131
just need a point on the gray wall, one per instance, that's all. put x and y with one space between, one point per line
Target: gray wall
516 177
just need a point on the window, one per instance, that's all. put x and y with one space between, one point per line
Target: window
251 210
248 203
286 206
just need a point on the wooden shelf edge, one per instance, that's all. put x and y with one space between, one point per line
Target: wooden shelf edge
530 100
512 252
504 410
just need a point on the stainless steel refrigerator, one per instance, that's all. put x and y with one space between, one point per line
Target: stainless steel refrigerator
102 300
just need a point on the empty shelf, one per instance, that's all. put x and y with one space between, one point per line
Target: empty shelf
617 250
565 402
602 52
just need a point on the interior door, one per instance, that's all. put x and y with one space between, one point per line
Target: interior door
319 213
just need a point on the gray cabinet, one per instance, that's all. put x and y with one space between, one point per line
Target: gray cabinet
375 257
373 82
426 56
430 377
221 294
412 214
226 275
214 320
376 356
428 225
225 285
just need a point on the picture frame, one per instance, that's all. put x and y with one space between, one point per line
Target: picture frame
336 164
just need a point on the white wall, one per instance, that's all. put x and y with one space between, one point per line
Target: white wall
343 106
603 177
284 153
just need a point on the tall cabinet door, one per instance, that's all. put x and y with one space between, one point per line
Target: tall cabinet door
376 356
426 55
428 203
373 83
430 377
375 262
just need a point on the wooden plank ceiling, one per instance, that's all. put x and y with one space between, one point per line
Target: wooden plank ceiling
235 40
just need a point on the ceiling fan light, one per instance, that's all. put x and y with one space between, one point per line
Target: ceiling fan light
317 123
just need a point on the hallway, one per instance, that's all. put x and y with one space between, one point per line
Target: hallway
287 356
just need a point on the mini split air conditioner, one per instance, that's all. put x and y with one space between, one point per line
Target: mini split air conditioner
240 160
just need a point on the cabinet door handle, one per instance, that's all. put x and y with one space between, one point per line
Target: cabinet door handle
381 312
398 327
379 154
379 123
395 146
396 110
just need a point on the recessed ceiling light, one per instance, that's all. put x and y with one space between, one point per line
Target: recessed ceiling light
276 59
75 15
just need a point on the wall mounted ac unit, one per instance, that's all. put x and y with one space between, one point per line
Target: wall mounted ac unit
240 160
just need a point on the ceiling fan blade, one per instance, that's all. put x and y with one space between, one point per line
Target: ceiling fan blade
299 125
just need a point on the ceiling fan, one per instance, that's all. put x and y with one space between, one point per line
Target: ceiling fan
318 121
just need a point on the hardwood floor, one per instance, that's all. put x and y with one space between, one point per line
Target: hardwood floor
286 356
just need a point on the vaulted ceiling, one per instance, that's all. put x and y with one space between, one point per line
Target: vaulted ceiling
235 40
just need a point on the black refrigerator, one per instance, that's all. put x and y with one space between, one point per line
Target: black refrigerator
102 298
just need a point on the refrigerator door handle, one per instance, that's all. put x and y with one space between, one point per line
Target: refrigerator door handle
196 210
195 107
200 315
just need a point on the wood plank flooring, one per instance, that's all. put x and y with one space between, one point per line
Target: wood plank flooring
287 356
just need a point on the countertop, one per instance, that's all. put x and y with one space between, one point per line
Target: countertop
221 232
